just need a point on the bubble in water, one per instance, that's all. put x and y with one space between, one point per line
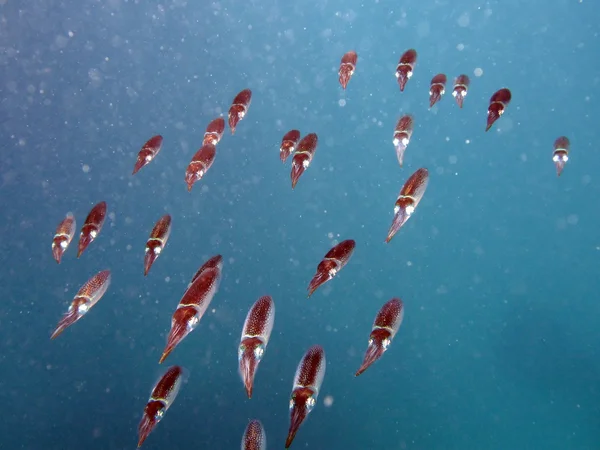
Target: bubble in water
463 20
95 75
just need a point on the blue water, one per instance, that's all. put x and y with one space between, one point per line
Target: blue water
497 268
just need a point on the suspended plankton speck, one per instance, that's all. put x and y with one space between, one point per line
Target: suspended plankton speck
464 20
342 102
478 72
85 168
328 401
467 141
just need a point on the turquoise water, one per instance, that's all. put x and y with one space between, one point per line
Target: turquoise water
497 268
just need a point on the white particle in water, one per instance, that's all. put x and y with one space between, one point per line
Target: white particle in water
94 75
464 20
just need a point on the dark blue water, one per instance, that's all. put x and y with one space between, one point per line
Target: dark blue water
497 268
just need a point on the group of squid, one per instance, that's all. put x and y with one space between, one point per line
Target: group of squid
405 125
303 149
260 318
255 336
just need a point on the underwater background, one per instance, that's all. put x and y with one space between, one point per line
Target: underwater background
497 268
